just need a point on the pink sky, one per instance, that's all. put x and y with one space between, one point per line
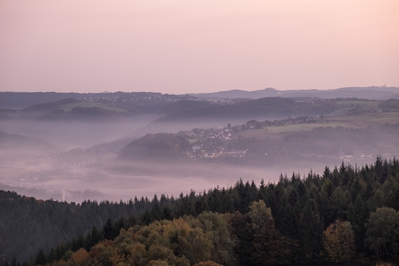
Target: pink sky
186 46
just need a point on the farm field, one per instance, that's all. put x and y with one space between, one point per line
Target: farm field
353 121
367 119
373 104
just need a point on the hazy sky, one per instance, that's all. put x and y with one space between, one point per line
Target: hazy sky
182 46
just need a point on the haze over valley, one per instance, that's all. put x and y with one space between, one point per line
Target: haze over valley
116 146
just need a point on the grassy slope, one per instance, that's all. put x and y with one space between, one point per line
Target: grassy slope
68 107
356 103
353 121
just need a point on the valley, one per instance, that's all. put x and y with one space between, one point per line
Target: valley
89 156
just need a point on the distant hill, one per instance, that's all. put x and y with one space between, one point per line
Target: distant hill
372 93
325 142
72 109
233 94
46 107
161 146
185 105
15 141
80 113
19 100
151 101
276 106
148 101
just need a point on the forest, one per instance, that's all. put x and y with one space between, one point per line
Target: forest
346 215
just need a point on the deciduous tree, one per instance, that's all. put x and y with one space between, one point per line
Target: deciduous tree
382 232
339 241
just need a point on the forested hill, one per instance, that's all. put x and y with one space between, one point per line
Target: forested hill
345 215
269 106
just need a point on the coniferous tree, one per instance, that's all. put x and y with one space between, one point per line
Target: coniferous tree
41 258
269 246
310 229
243 246
108 232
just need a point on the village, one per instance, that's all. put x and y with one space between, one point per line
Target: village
226 143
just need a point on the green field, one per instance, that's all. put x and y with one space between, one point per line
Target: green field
373 104
69 106
354 121
341 111
367 119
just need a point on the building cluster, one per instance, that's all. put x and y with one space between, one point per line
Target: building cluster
207 143
221 142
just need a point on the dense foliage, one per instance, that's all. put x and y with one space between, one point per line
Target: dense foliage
298 220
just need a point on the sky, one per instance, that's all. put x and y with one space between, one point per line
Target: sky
187 46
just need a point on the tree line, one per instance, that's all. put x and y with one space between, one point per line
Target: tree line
346 215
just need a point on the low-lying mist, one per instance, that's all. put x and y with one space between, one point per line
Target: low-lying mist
80 174
65 135
77 133
76 160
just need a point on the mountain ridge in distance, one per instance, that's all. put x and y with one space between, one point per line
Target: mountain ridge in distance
371 93
20 100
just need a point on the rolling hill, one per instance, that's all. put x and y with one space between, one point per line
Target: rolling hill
155 146
269 106
371 93
185 105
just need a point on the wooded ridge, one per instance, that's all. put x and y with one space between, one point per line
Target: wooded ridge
294 221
